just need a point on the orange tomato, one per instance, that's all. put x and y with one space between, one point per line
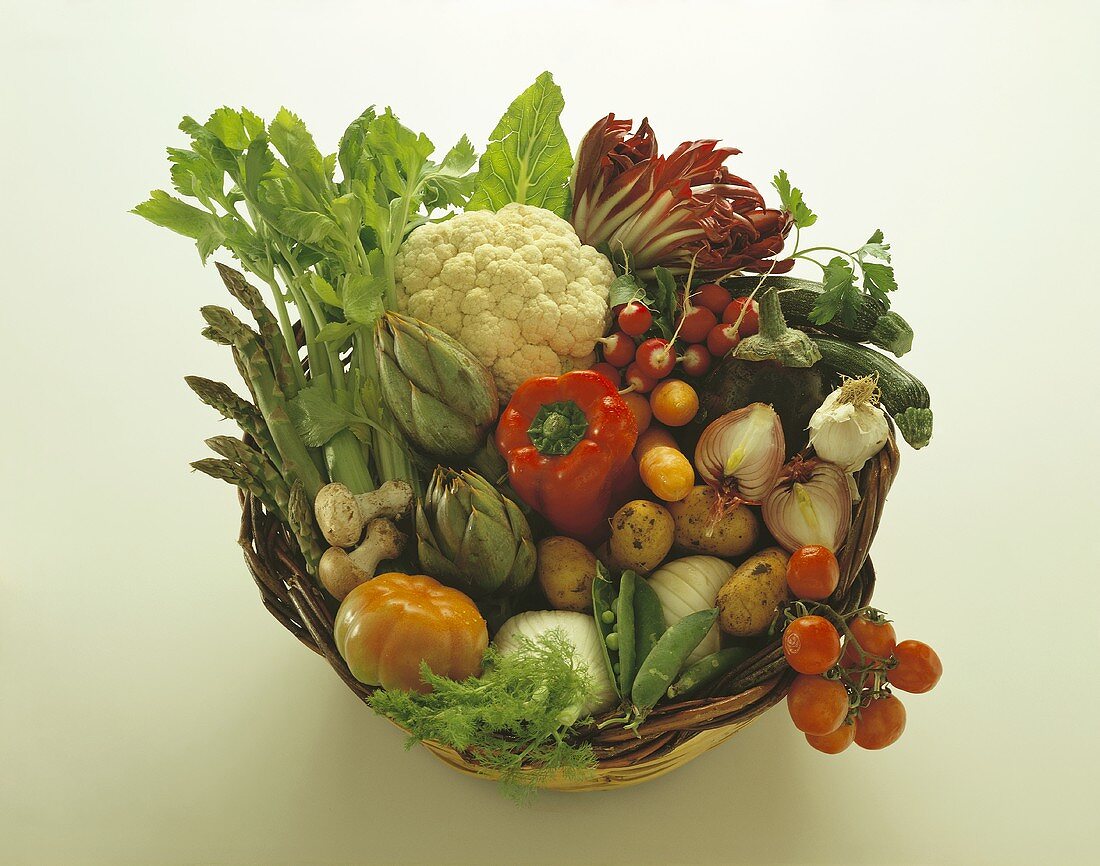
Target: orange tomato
834 743
817 706
653 437
880 723
639 405
667 472
387 626
674 402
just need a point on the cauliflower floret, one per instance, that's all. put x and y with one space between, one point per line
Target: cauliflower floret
516 287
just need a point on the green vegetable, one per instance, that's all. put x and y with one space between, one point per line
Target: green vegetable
471 537
220 396
841 297
797 298
511 717
443 398
664 662
649 620
902 394
603 611
706 671
627 647
775 341
528 159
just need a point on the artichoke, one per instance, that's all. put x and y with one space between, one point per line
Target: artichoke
472 537
441 396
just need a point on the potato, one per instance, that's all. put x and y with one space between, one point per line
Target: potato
748 600
641 535
566 569
734 534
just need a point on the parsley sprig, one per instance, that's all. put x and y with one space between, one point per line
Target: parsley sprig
841 295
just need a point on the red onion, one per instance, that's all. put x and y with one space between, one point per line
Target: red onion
811 503
741 452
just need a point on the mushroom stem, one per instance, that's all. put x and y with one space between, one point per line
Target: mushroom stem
340 572
341 515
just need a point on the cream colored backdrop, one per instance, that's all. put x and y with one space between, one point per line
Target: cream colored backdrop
151 711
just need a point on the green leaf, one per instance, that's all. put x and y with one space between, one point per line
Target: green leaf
337 332
294 143
874 248
324 290
528 159
625 289
353 156
316 417
363 296
791 199
451 182
878 280
840 296
664 302
171 213
229 128
398 152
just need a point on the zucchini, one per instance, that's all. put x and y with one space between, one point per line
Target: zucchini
903 395
873 324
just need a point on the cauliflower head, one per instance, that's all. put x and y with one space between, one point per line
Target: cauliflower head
516 287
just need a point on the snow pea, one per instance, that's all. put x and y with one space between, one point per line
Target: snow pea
666 659
624 608
707 670
649 619
603 611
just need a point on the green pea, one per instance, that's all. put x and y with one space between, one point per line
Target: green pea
608 616
603 598
649 619
612 641
666 659
625 604
707 670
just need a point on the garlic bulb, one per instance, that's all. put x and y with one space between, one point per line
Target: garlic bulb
848 428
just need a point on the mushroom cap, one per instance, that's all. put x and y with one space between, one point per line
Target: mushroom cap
339 574
338 515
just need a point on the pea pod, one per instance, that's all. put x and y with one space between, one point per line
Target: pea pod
665 660
649 619
624 610
603 611
707 670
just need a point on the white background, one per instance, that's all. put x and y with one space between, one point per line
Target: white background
152 712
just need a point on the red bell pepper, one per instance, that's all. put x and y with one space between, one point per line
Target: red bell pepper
568 443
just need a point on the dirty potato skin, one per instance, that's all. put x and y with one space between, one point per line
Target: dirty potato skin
566 569
734 534
748 600
641 535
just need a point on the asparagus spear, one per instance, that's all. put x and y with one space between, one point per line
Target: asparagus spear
270 399
300 517
288 373
228 471
257 465
220 396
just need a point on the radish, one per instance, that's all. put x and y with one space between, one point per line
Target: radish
696 360
713 297
638 380
635 319
748 322
722 339
655 358
618 348
695 324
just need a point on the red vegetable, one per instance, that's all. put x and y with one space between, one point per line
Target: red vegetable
713 297
696 360
618 349
749 322
655 358
567 436
635 319
695 324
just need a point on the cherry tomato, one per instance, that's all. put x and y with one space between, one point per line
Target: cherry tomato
695 324
919 668
674 403
655 358
612 373
811 644
817 706
836 742
639 405
713 297
635 319
750 322
876 639
639 380
667 472
813 572
722 339
696 360
880 723
618 349
653 437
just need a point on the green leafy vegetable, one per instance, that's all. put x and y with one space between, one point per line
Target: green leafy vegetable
528 159
841 296
517 716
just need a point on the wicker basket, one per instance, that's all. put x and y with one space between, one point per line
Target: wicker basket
673 733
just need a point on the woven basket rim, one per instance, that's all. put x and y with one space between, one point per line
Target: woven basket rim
664 740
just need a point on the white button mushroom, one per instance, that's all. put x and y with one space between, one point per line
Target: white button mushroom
342 514
340 572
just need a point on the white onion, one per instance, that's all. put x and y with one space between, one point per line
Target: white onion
691 584
810 504
581 631
741 452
